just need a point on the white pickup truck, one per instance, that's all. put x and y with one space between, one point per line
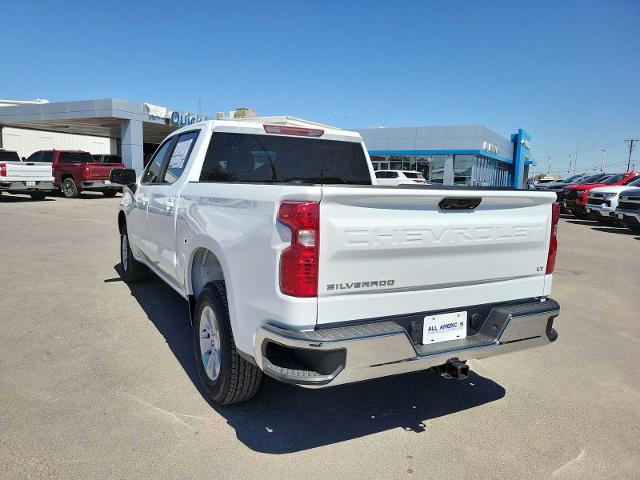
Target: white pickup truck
296 265
32 178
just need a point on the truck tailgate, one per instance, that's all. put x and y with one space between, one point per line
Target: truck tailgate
32 171
101 171
389 251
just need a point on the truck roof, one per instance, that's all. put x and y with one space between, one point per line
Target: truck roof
255 123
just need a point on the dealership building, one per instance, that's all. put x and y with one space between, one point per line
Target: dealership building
452 155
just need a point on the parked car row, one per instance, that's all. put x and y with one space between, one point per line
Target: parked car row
611 198
68 171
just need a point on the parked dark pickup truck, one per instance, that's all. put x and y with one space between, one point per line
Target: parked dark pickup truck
75 171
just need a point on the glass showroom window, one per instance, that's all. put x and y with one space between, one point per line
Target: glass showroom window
380 162
462 169
436 175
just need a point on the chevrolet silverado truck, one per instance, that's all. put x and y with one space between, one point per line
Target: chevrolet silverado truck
30 178
628 209
294 264
75 171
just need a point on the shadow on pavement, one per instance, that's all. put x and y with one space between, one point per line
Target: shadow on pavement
583 222
8 198
284 418
618 230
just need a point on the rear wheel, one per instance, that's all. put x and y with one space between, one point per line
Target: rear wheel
38 195
226 376
132 271
69 188
109 193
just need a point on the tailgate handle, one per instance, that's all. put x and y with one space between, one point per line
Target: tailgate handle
452 203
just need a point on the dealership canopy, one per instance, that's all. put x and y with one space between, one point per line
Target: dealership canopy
132 123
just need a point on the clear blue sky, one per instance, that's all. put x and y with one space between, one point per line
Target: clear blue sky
567 72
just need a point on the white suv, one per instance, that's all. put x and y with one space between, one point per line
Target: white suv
603 201
399 177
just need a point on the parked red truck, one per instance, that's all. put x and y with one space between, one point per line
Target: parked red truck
75 171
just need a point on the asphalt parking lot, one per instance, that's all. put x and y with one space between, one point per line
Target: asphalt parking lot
98 380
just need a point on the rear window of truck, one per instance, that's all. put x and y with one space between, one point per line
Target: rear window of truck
244 158
9 156
75 157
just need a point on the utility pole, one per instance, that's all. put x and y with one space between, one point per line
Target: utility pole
603 149
630 141
549 171
575 159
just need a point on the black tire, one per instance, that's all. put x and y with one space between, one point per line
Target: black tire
109 193
132 271
38 195
237 379
69 188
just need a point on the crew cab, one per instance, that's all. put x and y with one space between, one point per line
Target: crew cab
628 210
75 171
296 265
603 201
31 178
575 197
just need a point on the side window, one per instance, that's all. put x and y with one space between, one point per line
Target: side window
154 170
380 174
180 156
47 157
393 174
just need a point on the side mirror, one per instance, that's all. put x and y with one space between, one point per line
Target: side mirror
24 158
123 176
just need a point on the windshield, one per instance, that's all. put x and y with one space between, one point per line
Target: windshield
234 157
9 156
614 179
571 179
630 180
634 183
592 179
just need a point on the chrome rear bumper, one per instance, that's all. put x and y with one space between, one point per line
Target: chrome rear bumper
378 349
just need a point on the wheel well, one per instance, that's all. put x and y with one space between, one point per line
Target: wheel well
205 268
122 222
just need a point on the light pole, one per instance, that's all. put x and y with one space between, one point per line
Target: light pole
604 154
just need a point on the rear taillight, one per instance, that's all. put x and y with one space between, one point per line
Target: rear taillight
3 169
288 130
419 181
553 241
299 262
86 171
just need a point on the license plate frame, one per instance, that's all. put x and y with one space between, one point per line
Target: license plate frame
444 327
30 184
